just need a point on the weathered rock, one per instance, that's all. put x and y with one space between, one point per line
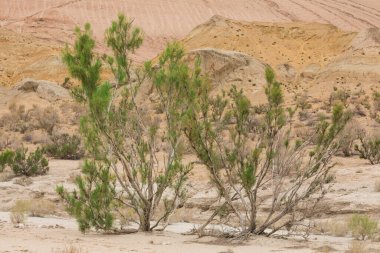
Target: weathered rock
45 89
286 72
226 67
311 71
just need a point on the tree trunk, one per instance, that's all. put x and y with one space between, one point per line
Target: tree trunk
145 221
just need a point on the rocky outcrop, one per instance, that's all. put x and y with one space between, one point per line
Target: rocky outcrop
45 89
230 67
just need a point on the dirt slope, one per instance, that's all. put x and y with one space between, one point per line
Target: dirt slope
297 44
163 20
312 57
25 56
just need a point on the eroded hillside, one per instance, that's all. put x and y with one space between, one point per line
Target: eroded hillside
165 20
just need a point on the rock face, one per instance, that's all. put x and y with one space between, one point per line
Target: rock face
45 89
226 68
223 65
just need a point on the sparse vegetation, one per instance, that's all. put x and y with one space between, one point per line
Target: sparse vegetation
20 119
369 148
64 146
18 213
357 247
34 207
339 96
349 136
47 118
70 249
24 164
334 228
376 100
362 227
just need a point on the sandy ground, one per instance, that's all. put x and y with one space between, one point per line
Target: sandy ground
58 233
352 191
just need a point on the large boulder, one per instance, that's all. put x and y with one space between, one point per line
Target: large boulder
45 89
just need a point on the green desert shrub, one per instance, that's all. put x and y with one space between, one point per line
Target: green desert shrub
5 158
120 141
64 146
369 148
93 202
24 164
362 227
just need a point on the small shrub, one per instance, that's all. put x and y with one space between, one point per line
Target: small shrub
369 148
334 228
302 101
303 115
71 249
64 146
34 207
18 212
349 135
260 109
376 101
5 158
17 218
5 140
362 227
339 96
18 119
22 164
33 165
41 208
357 247
47 119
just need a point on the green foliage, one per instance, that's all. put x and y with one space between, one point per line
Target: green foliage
362 227
33 164
118 136
23 164
83 64
369 148
122 37
6 157
247 151
93 202
64 146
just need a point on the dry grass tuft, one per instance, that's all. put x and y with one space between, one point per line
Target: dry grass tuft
18 213
334 228
377 186
357 247
35 207
70 249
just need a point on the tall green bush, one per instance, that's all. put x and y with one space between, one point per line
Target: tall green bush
120 140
